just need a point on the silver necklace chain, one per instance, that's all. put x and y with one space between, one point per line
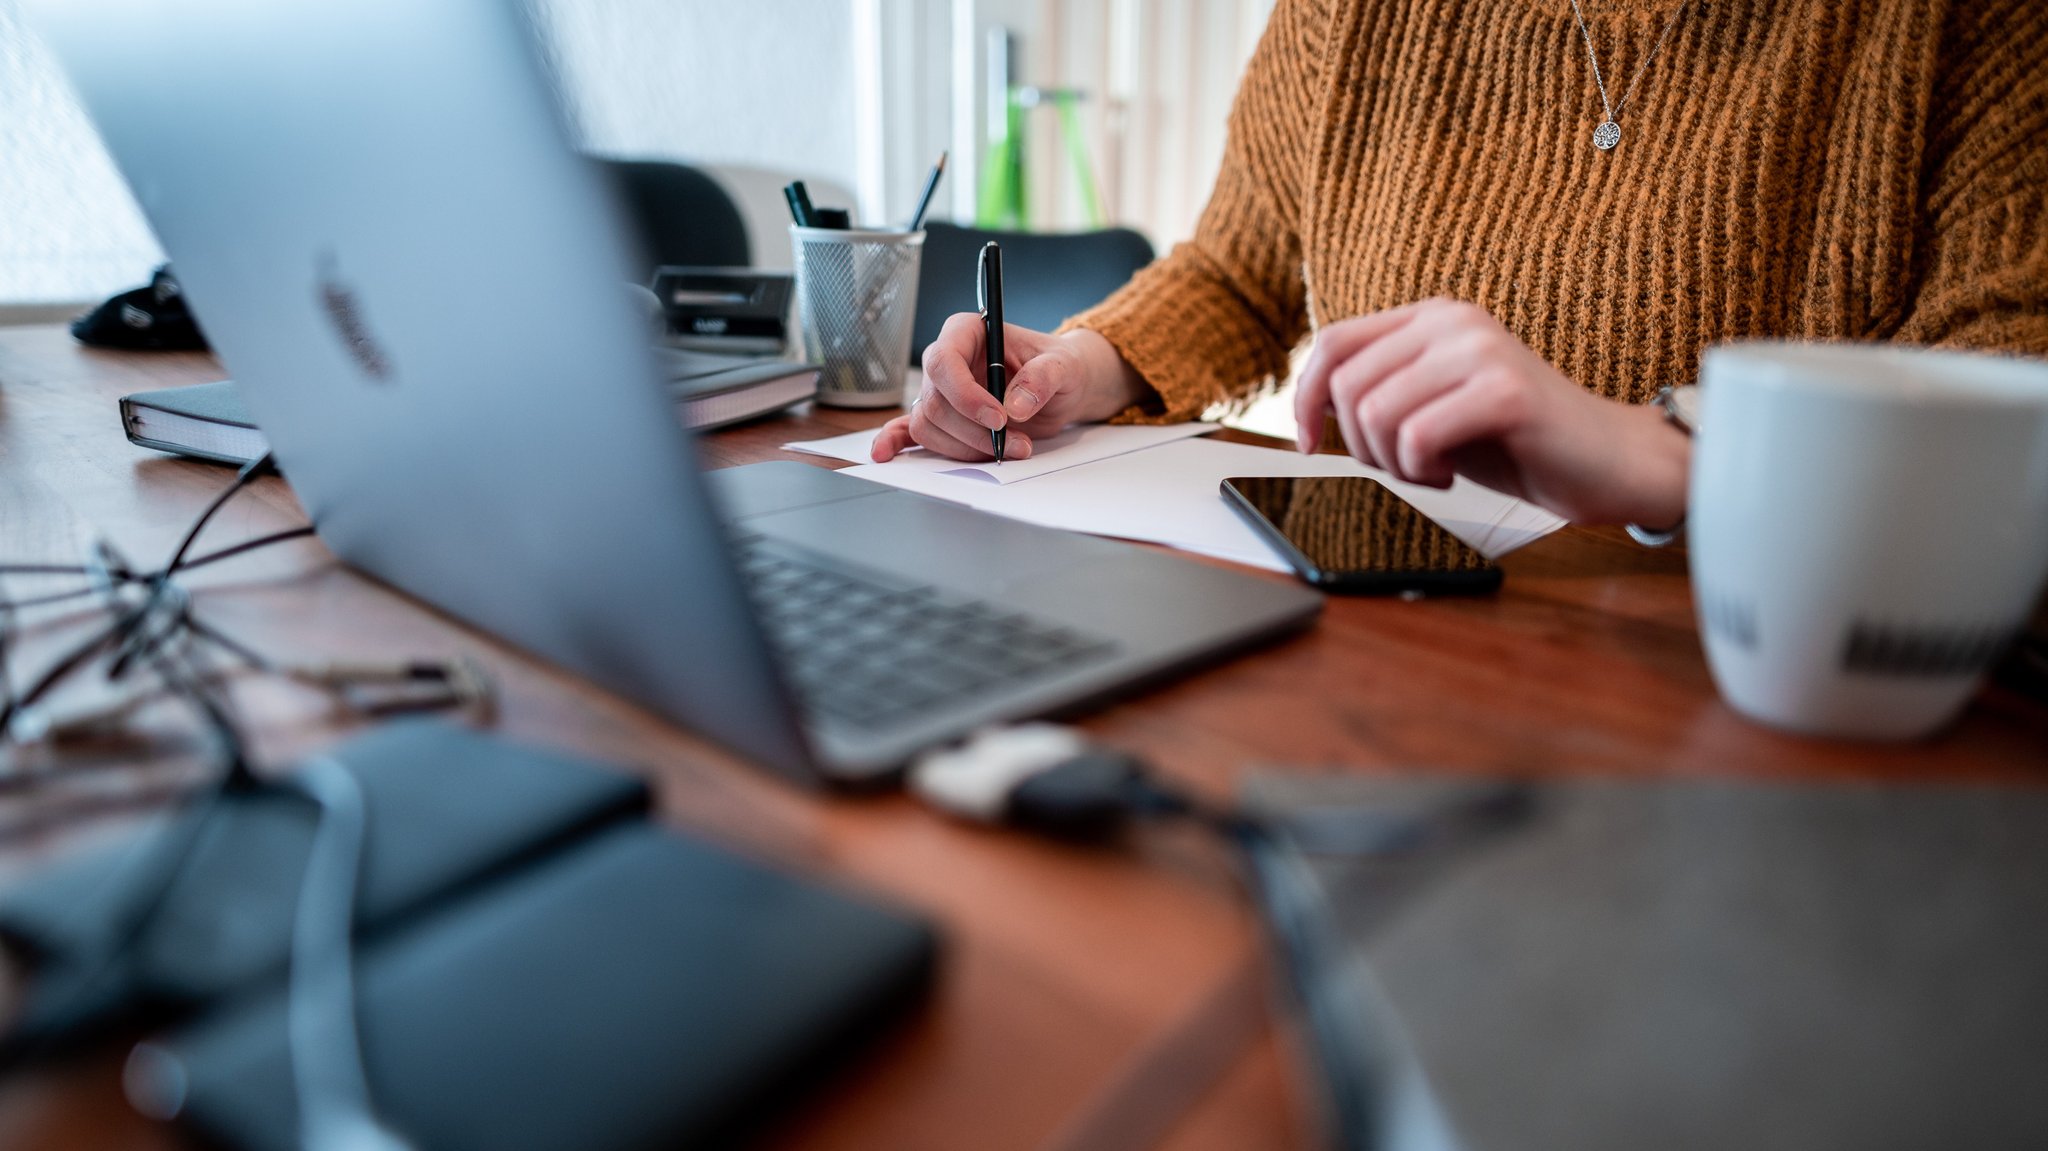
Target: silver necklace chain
1608 134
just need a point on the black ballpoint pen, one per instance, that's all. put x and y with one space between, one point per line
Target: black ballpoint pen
990 283
931 185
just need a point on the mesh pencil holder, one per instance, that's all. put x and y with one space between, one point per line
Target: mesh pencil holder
856 295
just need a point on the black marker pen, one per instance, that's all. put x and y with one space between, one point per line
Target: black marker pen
991 284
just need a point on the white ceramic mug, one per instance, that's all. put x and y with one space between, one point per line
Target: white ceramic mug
1868 528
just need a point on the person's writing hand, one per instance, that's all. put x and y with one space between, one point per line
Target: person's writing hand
1054 381
1439 388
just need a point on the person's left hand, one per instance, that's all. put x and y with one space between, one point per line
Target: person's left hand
1439 388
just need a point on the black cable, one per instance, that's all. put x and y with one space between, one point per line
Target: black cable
64 665
161 578
125 576
334 1101
1099 792
105 582
159 622
255 468
190 683
245 547
1336 1019
136 902
1373 1091
159 632
248 655
183 627
333 1097
119 573
180 676
49 598
7 607
6 664
136 631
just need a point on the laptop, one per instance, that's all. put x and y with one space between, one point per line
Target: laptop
380 220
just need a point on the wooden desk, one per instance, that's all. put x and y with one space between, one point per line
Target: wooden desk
1088 999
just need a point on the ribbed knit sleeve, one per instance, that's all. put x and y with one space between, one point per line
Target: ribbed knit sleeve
1983 238
1215 318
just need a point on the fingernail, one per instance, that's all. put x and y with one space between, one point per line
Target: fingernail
1022 402
991 418
1017 447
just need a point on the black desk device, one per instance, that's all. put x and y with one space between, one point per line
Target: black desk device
646 990
446 810
537 965
1353 535
732 310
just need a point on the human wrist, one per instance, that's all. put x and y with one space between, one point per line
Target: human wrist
1113 386
1658 474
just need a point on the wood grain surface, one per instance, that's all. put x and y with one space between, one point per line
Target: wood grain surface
1087 998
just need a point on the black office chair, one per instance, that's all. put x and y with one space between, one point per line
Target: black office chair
1047 276
682 215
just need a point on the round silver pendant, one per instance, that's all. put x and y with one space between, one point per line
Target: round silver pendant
1607 135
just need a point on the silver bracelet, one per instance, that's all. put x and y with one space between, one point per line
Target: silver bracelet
1650 539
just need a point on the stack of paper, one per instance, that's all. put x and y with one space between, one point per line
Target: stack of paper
1161 485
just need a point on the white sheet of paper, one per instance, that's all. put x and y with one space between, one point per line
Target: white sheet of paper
1169 495
1081 444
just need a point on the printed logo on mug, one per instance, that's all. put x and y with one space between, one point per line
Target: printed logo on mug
1868 529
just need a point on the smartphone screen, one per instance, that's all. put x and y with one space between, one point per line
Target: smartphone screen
1353 534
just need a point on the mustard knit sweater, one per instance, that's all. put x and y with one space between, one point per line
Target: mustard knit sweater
1827 169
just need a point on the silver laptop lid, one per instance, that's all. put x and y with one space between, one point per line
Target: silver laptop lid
382 225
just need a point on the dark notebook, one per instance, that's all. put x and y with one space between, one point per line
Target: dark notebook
445 809
537 966
1715 964
209 421
647 991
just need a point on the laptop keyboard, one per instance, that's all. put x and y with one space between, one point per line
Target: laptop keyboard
869 650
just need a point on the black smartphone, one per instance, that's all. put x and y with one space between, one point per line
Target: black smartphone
1353 535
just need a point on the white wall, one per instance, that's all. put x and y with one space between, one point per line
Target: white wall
752 83
759 83
69 231
859 93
